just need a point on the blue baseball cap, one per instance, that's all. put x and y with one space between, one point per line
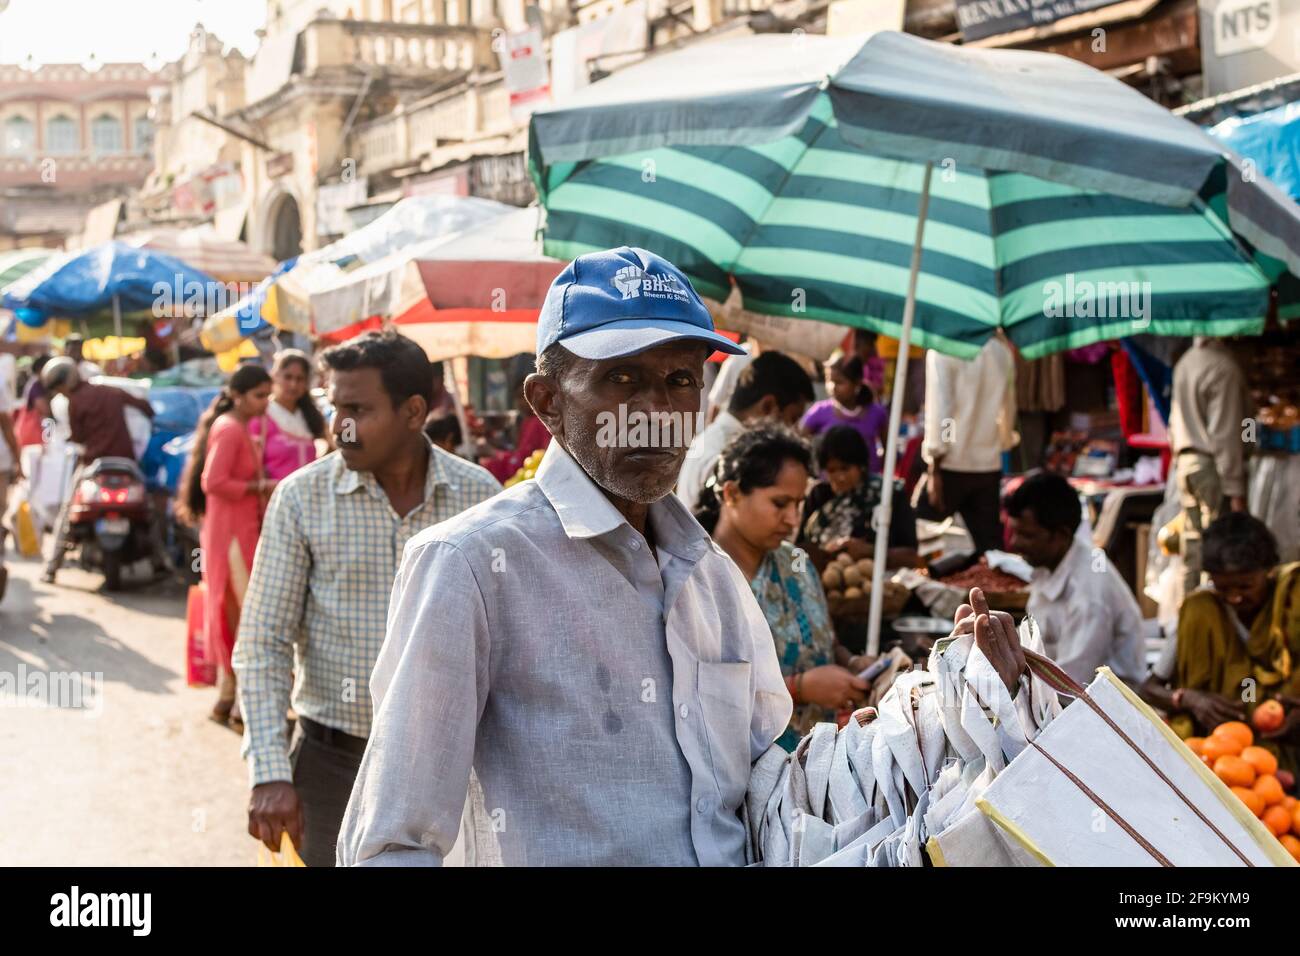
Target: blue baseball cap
622 301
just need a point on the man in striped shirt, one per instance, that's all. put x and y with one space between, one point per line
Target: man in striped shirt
314 616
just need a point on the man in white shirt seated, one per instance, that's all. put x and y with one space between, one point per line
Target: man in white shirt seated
1086 613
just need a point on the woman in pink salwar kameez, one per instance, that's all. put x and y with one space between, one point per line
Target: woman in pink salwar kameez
292 425
226 488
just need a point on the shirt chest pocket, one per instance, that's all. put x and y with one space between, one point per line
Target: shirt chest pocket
727 701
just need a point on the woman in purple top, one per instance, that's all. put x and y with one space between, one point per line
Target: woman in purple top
851 403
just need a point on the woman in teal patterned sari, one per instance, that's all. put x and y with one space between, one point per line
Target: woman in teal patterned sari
750 504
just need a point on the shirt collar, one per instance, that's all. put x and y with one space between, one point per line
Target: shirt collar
1051 584
585 511
728 423
347 480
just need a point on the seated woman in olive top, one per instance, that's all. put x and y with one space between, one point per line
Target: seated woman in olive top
1238 639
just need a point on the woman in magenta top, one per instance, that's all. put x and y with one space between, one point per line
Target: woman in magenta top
223 491
287 433
851 403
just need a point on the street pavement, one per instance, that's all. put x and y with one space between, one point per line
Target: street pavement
133 774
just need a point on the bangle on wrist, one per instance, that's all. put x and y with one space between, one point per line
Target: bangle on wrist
798 688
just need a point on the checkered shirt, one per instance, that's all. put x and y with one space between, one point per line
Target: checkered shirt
315 613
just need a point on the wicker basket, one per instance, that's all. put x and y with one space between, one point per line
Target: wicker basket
859 608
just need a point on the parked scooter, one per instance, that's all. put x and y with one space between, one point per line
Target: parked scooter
108 518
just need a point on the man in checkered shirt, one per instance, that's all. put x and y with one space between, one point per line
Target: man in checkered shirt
317 603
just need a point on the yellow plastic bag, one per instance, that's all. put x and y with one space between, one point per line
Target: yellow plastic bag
29 545
287 856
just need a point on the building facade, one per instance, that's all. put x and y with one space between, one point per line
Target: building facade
195 176
349 105
71 137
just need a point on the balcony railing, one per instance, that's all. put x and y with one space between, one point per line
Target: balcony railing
740 8
412 48
403 138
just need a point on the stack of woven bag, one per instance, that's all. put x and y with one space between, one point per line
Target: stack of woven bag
874 792
952 769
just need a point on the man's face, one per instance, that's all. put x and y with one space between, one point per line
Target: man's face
596 410
1244 591
792 414
1039 546
369 430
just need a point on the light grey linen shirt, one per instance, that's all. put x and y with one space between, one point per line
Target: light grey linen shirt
602 707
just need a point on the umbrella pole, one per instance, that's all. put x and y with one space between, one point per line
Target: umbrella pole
884 511
449 366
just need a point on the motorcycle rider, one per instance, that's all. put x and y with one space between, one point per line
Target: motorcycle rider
97 420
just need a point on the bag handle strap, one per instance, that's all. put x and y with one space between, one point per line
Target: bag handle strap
1063 683
1106 808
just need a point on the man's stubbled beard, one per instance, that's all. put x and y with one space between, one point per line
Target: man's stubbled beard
580 442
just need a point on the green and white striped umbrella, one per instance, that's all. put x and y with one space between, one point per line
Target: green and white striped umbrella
18 262
1064 207
919 189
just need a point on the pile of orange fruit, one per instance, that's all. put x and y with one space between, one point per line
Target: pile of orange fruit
1252 774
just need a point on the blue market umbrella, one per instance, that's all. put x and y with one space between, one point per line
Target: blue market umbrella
1270 140
915 187
111 275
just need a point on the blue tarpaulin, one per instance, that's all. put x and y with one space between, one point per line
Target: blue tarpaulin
1272 140
86 282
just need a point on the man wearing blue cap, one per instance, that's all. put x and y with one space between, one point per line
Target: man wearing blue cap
575 653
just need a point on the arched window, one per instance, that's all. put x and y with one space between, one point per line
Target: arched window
106 134
61 136
19 136
142 135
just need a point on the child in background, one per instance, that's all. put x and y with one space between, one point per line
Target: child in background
852 403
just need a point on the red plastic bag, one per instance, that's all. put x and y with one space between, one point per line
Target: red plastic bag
28 428
200 671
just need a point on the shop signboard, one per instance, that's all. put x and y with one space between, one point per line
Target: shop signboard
449 182
1246 42
608 43
523 60
985 18
502 178
332 203
281 164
